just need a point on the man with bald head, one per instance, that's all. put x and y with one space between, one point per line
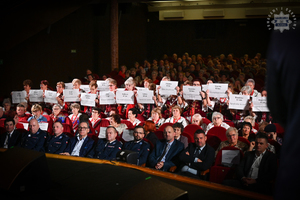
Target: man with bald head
166 152
35 138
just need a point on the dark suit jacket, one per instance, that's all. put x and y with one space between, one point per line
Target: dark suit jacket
267 169
171 157
207 156
85 148
14 139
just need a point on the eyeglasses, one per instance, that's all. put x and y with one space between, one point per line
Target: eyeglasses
82 128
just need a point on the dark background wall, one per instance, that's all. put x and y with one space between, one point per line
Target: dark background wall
47 54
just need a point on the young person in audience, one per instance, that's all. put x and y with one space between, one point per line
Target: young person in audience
166 152
139 145
80 145
197 157
74 117
116 122
178 129
36 111
107 148
149 127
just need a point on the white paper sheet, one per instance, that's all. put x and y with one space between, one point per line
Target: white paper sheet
107 98
168 88
230 157
260 104
25 125
124 97
141 88
36 96
86 88
238 102
18 96
88 99
217 90
103 85
102 133
68 86
192 93
50 97
127 135
204 88
145 96
71 95
43 126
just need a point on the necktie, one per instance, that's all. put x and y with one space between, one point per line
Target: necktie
164 153
197 152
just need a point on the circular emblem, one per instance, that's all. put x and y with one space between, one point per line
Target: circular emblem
281 19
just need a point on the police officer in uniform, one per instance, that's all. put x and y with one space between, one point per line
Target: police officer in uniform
57 142
35 138
139 145
107 148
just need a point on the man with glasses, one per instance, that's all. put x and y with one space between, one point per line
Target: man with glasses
232 140
35 138
107 148
81 144
57 143
139 145
166 152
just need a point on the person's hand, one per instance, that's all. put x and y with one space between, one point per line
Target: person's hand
177 89
252 145
154 98
96 100
198 160
202 94
44 95
159 165
135 91
135 94
65 153
250 181
207 91
187 153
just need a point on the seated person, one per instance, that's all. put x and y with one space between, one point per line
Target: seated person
217 122
36 110
35 138
9 113
270 130
165 153
80 145
132 114
251 120
107 148
258 168
232 136
96 121
156 117
178 128
197 119
149 128
57 115
139 145
246 130
21 113
11 137
58 142
116 122
74 117
176 116
93 90
198 157
2 115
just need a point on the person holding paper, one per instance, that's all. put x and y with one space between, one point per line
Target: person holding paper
80 145
57 115
115 121
176 116
35 138
44 85
251 84
123 109
58 142
60 86
36 111
217 120
132 114
232 140
74 117
156 117
107 148
93 90
76 85
139 145
146 109
112 84
27 84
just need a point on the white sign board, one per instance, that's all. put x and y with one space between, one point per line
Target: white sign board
71 95
145 96
168 88
107 98
50 97
36 96
217 90
260 104
88 99
125 97
238 102
192 93
18 96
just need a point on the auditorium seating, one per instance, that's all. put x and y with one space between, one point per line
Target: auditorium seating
220 132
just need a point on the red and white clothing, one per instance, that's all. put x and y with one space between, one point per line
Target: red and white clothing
180 120
136 122
75 121
158 122
94 122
